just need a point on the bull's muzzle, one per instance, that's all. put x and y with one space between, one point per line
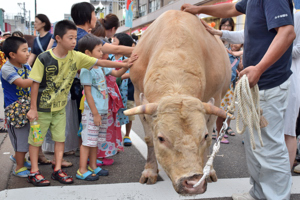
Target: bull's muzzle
185 185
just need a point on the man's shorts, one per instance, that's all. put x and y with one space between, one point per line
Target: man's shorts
92 134
55 121
130 104
19 137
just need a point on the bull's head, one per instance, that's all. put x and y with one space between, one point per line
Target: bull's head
180 138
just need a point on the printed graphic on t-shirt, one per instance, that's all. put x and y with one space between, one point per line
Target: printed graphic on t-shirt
56 77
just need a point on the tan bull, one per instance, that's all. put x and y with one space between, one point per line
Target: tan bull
180 66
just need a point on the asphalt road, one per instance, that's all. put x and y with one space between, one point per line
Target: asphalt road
229 164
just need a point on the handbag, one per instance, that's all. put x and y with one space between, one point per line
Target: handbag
16 113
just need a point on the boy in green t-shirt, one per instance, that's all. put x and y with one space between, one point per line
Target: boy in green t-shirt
53 74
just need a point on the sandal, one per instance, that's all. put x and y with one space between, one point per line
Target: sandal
35 181
26 163
230 132
87 176
64 164
102 162
99 171
69 153
3 130
57 175
22 172
99 162
224 141
127 141
42 160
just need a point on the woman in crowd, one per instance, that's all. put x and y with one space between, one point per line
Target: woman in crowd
228 24
42 25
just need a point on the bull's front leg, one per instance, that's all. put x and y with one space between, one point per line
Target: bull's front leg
150 173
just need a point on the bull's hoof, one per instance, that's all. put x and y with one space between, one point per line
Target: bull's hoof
148 177
212 176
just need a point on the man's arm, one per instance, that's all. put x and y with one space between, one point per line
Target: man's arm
91 102
225 10
233 37
282 41
32 113
117 49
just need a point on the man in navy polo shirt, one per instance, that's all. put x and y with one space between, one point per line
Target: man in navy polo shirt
269 34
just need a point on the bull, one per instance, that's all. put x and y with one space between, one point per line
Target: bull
180 68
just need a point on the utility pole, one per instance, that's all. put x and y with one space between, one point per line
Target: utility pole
24 14
29 24
35 8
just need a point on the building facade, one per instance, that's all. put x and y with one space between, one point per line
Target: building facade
149 10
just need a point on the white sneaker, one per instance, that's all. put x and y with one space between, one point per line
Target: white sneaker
297 169
245 196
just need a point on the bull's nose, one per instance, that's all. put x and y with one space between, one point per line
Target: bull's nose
186 185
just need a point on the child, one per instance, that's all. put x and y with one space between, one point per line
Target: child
94 116
126 88
16 84
52 75
234 57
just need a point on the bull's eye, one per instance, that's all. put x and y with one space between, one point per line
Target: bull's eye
161 139
206 135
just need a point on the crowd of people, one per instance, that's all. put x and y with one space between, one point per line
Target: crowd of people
72 78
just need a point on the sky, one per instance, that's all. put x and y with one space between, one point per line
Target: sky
54 9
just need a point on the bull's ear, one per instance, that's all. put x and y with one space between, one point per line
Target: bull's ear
143 99
211 101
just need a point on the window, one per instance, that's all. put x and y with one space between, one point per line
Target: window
154 5
121 6
142 10
122 22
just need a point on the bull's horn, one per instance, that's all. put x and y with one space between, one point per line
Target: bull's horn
149 109
214 110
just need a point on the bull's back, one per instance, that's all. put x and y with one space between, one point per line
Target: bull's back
177 55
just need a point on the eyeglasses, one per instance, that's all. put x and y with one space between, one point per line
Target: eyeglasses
224 25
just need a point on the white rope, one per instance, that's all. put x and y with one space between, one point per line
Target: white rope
248 109
216 147
249 113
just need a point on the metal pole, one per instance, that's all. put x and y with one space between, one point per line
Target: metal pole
29 24
34 7
24 10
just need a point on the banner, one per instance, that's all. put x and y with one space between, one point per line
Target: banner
129 13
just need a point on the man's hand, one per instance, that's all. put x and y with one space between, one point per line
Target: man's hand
235 53
210 29
131 60
253 73
97 119
32 115
190 8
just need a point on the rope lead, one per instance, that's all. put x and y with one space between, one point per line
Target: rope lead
250 114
